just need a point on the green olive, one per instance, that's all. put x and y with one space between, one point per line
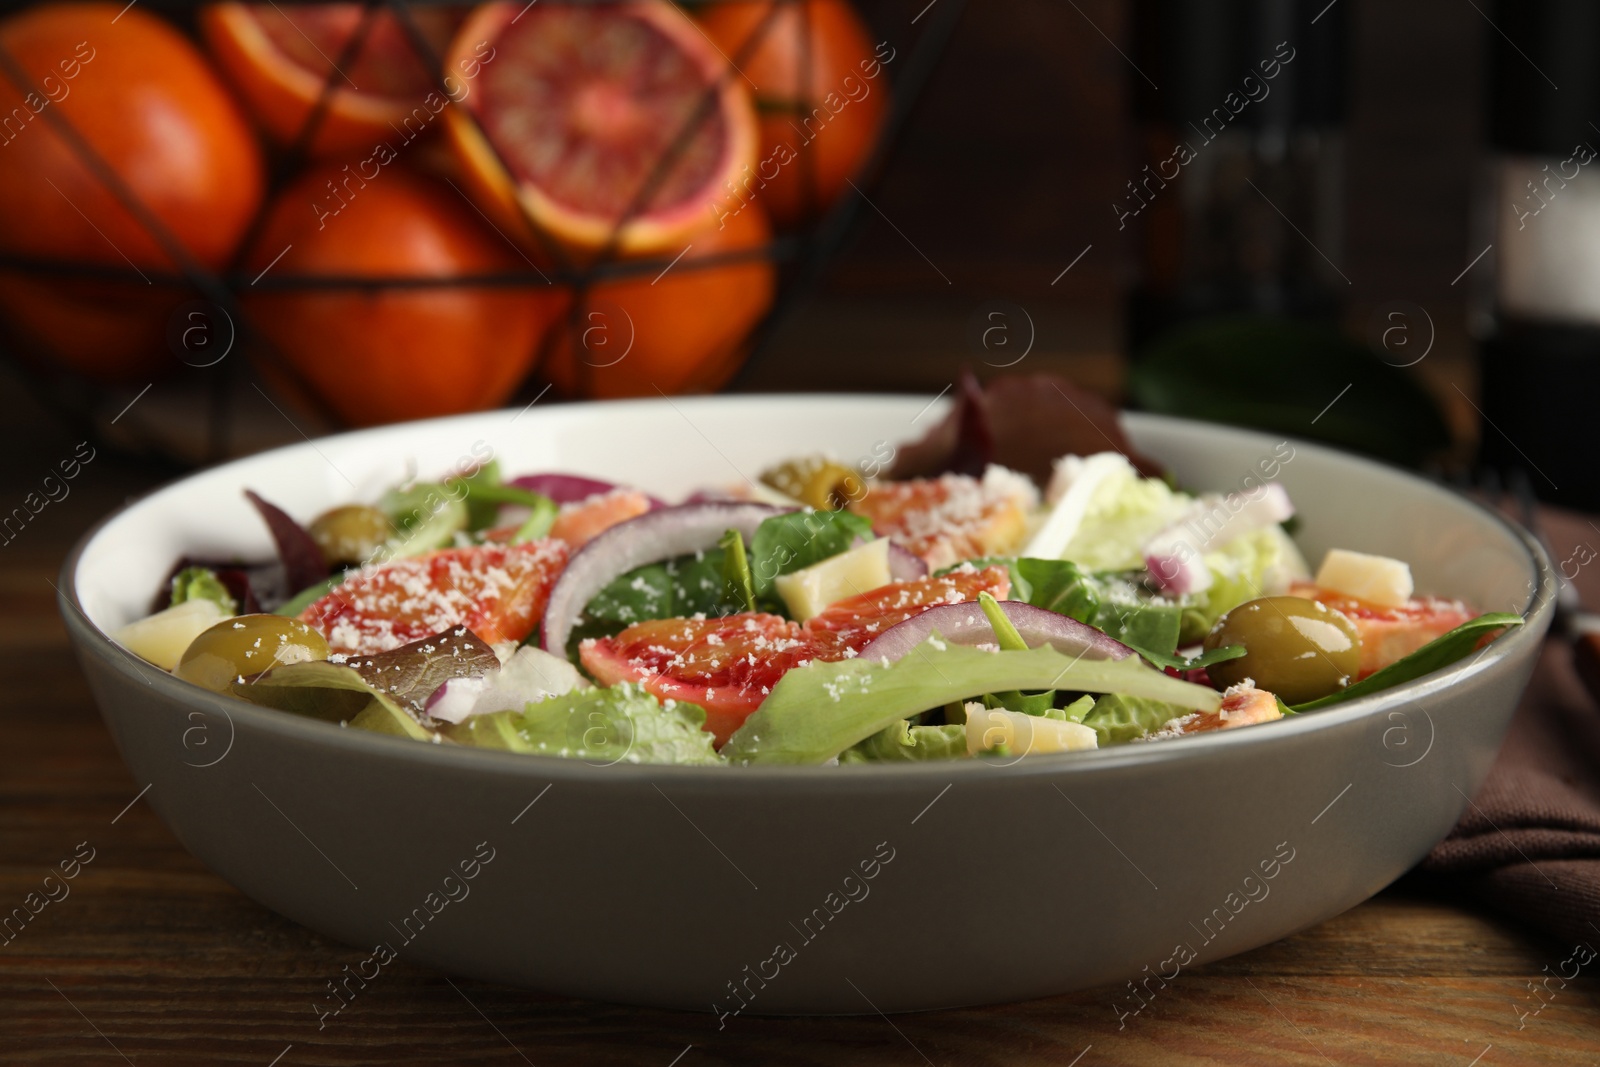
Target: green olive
820 483
1296 648
351 534
245 646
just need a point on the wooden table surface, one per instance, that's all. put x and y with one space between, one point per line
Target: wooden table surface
153 960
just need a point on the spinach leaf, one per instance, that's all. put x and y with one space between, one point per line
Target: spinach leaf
795 540
675 588
736 569
1440 652
1059 585
1115 603
1204 659
688 585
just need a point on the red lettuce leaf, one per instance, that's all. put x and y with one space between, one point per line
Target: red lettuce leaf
303 562
1021 421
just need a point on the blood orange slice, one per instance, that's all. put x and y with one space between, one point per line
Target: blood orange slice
726 665
279 57
584 102
729 665
583 520
1241 706
953 517
1389 634
496 591
850 625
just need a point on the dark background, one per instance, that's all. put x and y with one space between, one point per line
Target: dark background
1021 142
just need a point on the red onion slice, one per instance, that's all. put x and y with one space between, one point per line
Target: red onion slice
966 624
1174 556
657 535
904 564
568 488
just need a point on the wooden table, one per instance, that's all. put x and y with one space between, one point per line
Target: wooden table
153 960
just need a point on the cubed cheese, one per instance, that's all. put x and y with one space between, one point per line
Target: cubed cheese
1376 579
808 592
162 638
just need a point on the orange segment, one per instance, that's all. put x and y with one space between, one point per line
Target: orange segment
1240 707
726 665
1389 634
496 591
850 625
953 517
583 520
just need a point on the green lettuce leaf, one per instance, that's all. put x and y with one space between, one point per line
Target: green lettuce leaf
900 741
1119 718
425 516
621 723
1440 652
202 583
816 712
307 596
1251 565
1123 514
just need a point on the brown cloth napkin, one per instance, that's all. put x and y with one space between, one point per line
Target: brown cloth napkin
1529 844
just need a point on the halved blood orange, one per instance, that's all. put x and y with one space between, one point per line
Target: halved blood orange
496 591
1390 633
850 625
611 118
726 665
279 57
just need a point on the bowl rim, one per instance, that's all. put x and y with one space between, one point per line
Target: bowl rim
90 639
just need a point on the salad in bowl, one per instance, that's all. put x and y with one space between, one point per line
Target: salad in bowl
821 613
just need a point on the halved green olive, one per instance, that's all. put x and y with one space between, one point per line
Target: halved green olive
350 534
818 482
245 646
1296 648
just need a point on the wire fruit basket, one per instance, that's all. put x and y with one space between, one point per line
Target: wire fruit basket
590 198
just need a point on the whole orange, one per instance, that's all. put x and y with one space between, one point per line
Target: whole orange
684 329
380 353
145 102
819 118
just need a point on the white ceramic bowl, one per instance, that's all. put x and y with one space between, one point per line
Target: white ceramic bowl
712 888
